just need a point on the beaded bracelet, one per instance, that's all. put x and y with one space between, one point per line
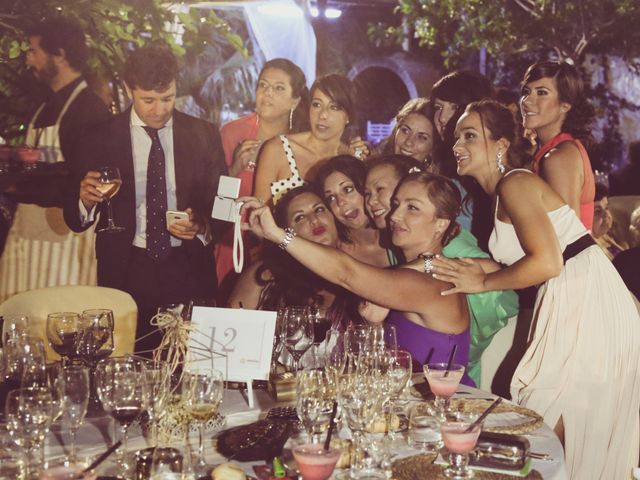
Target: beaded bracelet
289 234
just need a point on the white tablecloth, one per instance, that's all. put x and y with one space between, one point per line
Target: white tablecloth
94 435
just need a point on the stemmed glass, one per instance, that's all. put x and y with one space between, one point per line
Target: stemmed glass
298 333
202 391
73 389
122 390
96 339
33 417
399 371
62 333
361 399
110 182
158 378
171 462
25 361
278 338
316 392
14 326
443 381
459 442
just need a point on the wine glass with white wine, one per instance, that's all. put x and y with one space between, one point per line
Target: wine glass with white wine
109 186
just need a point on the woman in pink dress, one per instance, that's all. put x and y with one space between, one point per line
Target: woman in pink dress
555 108
281 107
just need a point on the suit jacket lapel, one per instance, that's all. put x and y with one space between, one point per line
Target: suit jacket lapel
123 159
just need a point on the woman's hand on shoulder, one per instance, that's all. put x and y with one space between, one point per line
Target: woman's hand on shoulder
260 219
466 274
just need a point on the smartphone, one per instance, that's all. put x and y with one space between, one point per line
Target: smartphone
172 216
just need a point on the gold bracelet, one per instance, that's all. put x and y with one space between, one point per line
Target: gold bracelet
289 234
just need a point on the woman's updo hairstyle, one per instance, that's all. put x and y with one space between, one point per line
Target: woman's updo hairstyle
299 89
499 122
445 197
571 90
401 164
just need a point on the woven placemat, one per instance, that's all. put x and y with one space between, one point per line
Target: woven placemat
420 467
478 405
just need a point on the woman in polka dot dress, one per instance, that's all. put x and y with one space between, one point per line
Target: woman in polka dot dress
286 162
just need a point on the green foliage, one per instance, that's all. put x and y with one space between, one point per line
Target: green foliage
457 28
113 27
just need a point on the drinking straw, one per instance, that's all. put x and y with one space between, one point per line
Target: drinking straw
495 403
334 411
429 355
451 355
102 457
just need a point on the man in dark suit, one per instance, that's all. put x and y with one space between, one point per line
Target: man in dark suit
167 161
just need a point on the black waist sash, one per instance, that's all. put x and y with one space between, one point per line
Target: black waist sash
576 247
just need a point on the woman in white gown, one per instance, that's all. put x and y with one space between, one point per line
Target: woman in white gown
581 367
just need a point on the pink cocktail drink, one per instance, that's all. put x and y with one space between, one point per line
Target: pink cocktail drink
443 381
314 462
459 442
442 386
66 473
456 439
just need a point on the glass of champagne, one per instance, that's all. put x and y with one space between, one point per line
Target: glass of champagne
443 381
110 182
158 378
202 391
73 389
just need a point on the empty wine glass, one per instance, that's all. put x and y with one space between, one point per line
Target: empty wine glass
298 333
62 334
14 326
73 388
202 391
158 378
35 413
110 182
25 361
315 394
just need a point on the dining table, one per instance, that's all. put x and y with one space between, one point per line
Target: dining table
96 434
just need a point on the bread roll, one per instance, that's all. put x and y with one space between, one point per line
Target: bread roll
345 452
228 471
380 424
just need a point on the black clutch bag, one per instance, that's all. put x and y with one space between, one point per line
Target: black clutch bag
500 450
262 440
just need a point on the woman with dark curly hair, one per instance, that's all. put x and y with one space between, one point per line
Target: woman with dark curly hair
280 280
555 107
340 181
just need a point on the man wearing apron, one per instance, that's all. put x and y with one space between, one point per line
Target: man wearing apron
40 250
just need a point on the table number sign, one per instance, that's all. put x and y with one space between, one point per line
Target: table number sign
237 342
